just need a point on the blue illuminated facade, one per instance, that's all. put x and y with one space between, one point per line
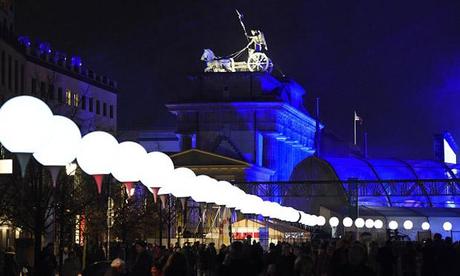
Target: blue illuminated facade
252 117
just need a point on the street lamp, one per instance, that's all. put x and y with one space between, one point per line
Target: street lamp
322 221
127 164
24 123
156 171
61 147
96 154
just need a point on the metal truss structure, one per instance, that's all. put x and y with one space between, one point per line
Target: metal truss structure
431 192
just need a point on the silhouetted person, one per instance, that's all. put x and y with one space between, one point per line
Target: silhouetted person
356 262
176 265
386 259
48 264
10 266
285 262
142 262
117 268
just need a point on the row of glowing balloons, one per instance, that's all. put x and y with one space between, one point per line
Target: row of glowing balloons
28 127
347 222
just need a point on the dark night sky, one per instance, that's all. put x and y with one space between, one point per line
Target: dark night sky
396 62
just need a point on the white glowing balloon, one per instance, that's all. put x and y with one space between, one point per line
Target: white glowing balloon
347 222
393 225
62 146
408 225
182 182
223 190
128 160
359 223
157 168
333 221
447 226
311 220
425 226
321 221
24 124
96 152
378 224
369 223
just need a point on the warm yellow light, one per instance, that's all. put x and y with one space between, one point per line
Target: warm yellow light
6 166
68 97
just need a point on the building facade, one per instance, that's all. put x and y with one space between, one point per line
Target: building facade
252 117
70 89
34 68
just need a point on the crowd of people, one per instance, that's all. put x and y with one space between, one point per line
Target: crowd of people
334 257
319 257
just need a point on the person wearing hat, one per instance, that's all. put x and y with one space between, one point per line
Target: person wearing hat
142 262
116 268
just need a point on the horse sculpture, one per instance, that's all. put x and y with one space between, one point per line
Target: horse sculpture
214 64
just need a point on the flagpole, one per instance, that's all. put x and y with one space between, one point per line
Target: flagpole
317 136
354 128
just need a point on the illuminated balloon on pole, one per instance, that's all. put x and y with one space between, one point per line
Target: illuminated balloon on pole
408 225
182 184
447 226
359 223
24 123
128 163
96 154
347 222
378 224
156 171
393 225
333 221
61 147
425 226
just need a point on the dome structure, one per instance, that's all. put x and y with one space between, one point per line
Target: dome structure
378 182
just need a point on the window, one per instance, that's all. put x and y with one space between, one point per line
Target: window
3 67
83 102
90 104
22 78
111 111
51 91
16 76
98 107
9 72
104 109
68 97
60 97
34 86
76 99
43 90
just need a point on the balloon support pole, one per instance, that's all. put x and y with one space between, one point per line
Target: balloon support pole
155 194
98 178
54 171
23 159
183 201
163 201
129 186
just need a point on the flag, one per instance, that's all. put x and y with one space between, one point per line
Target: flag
358 119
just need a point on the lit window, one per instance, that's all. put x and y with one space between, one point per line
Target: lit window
76 99
68 97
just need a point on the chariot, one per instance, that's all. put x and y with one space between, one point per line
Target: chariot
256 49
